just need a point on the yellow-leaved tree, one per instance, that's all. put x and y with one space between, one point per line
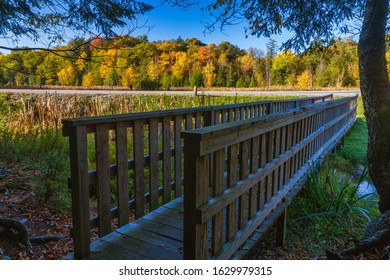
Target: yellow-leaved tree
130 78
66 76
209 74
89 80
304 79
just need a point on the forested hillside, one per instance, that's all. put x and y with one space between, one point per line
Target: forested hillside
137 63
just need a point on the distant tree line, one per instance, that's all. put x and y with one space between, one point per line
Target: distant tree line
136 63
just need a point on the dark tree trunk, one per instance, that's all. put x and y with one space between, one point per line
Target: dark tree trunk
375 89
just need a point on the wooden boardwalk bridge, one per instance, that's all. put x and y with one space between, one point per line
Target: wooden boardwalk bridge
199 183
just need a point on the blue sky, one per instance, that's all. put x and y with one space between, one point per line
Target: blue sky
171 22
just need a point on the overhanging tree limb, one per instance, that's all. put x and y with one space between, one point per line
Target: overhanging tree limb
30 18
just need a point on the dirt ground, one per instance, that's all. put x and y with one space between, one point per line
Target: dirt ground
17 203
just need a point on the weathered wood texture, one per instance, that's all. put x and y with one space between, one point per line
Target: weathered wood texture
140 158
157 235
283 160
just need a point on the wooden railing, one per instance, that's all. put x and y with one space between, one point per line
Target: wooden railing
237 173
139 157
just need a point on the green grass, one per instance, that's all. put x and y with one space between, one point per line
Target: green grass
353 154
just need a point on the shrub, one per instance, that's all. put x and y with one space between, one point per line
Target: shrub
50 184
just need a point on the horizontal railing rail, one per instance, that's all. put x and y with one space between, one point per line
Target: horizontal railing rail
236 174
138 157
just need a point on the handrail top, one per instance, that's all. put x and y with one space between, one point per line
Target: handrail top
205 133
165 113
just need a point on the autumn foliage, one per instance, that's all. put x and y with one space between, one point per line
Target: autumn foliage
137 63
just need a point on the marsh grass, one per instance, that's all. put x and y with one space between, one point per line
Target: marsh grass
22 113
30 132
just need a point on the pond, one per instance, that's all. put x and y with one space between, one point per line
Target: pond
366 188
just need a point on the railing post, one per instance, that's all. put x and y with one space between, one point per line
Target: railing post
196 181
209 118
166 142
139 177
281 229
103 179
80 190
123 174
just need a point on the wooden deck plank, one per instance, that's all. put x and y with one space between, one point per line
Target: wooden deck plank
106 251
173 221
140 248
159 228
158 235
173 212
177 204
139 233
